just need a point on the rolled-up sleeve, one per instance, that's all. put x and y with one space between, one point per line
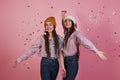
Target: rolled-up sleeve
85 42
61 44
32 50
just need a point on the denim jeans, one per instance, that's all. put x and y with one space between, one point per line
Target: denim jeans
49 68
71 66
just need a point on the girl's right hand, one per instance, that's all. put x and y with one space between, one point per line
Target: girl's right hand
15 64
63 12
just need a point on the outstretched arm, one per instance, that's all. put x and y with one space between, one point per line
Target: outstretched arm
61 57
32 50
89 45
63 12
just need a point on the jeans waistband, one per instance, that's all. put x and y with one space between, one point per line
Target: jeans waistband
51 58
71 57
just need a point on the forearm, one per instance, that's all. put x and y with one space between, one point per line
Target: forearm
25 56
86 42
63 16
61 60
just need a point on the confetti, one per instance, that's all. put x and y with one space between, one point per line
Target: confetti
91 10
33 32
38 30
30 34
114 49
52 7
37 13
103 7
101 13
114 13
26 38
98 36
27 34
119 46
78 2
118 55
28 6
18 34
28 67
115 32
106 40
25 43
23 21
41 22
36 25
93 16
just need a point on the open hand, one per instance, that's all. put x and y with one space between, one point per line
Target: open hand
101 55
63 12
15 64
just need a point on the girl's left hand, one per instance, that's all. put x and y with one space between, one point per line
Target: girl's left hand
101 55
63 71
15 64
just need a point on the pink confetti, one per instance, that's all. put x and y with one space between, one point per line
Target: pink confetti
114 13
78 2
26 38
37 13
41 22
38 30
51 7
33 32
25 43
36 25
28 67
28 6
98 36
119 46
91 10
114 49
118 55
103 7
115 32
23 21
30 34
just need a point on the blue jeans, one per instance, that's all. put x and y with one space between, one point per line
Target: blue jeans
49 68
71 66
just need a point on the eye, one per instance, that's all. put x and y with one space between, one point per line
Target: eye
65 20
46 24
50 24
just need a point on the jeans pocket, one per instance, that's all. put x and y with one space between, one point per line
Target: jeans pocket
44 61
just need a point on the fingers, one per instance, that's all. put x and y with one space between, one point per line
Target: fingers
102 57
64 73
64 11
15 64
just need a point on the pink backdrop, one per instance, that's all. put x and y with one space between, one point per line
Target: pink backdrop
21 21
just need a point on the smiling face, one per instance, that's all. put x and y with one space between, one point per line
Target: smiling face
68 23
49 27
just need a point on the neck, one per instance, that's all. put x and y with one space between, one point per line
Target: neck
68 29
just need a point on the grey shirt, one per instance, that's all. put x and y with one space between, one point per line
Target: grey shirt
39 48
